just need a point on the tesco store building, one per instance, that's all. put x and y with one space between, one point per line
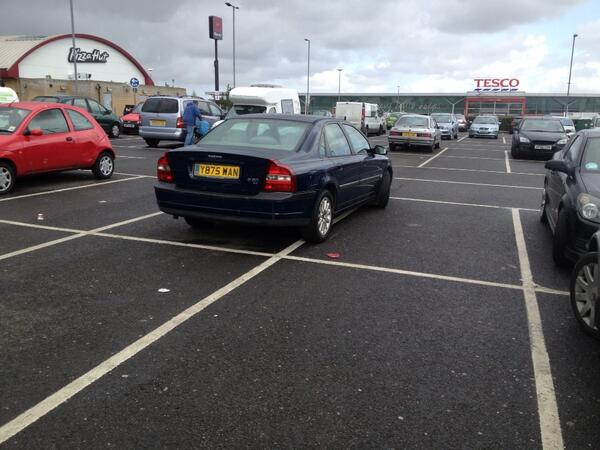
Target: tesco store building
43 65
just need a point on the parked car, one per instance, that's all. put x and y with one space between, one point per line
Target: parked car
365 116
596 122
7 95
568 125
571 196
585 298
538 136
322 112
514 123
275 170
38 137
392 118
484 126
109 122
131 120
448 125
415 130
161 117
463 125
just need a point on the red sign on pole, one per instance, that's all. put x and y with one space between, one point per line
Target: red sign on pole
215 28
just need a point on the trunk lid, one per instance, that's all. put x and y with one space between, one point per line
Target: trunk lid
231 170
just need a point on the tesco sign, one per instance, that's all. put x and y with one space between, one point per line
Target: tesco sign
496 84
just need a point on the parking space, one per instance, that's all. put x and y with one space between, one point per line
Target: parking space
439 322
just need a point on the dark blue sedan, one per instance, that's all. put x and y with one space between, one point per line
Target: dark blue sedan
275 170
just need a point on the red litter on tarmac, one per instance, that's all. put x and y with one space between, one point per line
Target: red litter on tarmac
333 255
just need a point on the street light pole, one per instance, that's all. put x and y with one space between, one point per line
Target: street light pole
398 96
233 8
307 99
570 70
74 51
339 83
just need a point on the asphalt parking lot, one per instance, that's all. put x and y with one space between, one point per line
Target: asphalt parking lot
443 324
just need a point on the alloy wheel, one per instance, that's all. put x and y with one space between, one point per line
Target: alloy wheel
586 295
5 179
325 215
106 165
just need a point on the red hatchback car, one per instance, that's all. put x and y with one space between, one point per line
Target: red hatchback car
46 137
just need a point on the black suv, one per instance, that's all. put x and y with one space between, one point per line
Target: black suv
104 116
571 197
538 136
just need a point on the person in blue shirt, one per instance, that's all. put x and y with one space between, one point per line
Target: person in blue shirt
190 115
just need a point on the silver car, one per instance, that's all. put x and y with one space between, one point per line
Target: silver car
415 129
448 124
484 126
161 117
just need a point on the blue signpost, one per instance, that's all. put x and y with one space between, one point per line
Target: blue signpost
134 82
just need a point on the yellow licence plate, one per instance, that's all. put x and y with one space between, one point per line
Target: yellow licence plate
216 171
409 134
158 123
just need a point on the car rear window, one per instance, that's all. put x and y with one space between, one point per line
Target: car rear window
161 105
548 125
442 118
411 121
567 122
258 133
44 98
11 118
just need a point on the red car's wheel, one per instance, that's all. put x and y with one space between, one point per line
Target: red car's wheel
7 178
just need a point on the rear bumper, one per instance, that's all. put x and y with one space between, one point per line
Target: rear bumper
130 127
163 134
264 208
530 150
479 133
404 140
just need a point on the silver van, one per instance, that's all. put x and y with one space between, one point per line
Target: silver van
161 117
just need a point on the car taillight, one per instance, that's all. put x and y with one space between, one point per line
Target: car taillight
180 122
163 170
394 133
139 122
424 134
279 178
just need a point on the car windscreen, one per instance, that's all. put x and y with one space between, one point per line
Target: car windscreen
442 118
240 110
161 106
487 120
411 121
547 125
591 156
11 118
567 122
257 133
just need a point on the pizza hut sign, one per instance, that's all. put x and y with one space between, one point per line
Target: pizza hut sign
496 84
95 56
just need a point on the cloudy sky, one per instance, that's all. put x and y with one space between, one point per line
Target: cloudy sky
416 45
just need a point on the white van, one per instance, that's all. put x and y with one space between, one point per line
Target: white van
257 99
7 95
364 116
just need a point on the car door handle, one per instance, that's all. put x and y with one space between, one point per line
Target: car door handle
69 139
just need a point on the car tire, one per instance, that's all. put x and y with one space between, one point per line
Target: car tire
367 131
438 144
104 166
584 297
7 178
559 239
431 148
381 130
383 193
514 153
496 137
115 131
152 142
321 220
544 203
195 222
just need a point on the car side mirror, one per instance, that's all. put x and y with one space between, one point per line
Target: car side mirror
36 132
559 165
379 150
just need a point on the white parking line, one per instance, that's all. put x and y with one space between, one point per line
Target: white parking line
80 234
477 205
130 157
473 157
504 140
134 175
50 403
469 170
433 157
424 180
507 162
462 138
102 183
544 384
